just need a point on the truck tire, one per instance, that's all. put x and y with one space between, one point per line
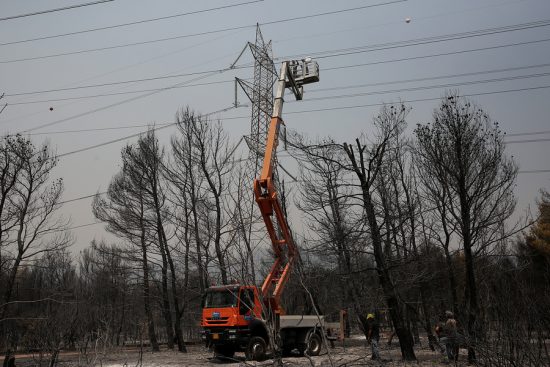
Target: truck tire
224 351
314 345
256 349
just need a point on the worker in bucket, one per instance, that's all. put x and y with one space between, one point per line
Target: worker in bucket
373 335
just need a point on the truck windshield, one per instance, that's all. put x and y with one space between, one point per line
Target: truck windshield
221 298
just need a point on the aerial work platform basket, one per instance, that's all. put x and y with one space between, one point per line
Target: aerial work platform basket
304 71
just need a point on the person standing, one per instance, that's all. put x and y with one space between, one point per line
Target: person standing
373 335
450 336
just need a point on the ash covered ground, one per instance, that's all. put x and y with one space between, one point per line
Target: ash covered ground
355 352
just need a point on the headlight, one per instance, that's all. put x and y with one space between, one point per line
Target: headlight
231 331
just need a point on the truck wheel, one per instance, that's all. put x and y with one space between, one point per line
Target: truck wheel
225 351
314 345
256 349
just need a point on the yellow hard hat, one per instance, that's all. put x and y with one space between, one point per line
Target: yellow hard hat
370 316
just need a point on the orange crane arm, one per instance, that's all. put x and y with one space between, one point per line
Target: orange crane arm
293 75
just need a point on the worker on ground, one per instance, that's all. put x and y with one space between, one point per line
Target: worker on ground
450 336
373 335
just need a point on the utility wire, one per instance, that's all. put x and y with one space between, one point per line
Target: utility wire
417 100
249 66
530 133
194 34
122 82
80 198
100 129
131 23
118 93
297 181
426 40
321 55
437 86
134 135
507 135
438 54
510 142
323 110
288 113
491 71
55 10
527 141
89 112
535 171
70 228
414 80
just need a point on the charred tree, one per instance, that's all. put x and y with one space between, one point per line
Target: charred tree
467 153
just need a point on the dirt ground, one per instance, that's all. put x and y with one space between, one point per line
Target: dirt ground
353 353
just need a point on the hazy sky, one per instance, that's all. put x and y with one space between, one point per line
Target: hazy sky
508 70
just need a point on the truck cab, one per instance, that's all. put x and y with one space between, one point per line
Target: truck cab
232 319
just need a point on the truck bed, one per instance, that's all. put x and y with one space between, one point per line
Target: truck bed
301 321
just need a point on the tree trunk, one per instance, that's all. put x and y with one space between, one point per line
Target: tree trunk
471 285
406 341
166 312
147 296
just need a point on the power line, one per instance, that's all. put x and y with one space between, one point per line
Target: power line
324 110
131 23
80 198
530 133
414 89
134 135
438 54
320 55
70 228
491 71
417 100
89 112
122 82
527 141
316 110
117 93
535 171
100 129
113 141
426 40
247 66
55 9
507 135
195 34
105 192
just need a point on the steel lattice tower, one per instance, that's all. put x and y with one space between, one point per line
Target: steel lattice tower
260 94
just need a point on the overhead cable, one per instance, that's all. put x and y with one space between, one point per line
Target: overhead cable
131 23
55 10
491 71
320 55
306 111
89 112
249 66
437 86
425 40
135 135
